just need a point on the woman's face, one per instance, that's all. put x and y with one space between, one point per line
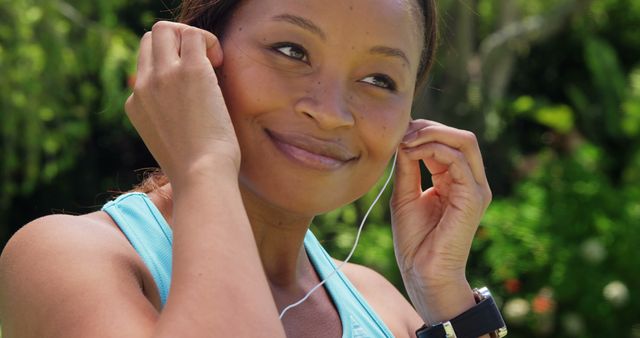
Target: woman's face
320 94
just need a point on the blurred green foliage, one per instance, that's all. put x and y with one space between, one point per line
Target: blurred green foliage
551 88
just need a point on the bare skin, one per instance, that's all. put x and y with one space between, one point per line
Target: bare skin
93 253
289 118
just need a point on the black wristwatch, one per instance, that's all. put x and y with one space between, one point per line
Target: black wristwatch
482 319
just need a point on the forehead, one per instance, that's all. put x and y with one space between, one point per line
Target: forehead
394 23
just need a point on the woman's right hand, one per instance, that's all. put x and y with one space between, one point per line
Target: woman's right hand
177 106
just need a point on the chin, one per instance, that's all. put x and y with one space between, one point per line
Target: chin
298 198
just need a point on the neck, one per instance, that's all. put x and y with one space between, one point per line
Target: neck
279 236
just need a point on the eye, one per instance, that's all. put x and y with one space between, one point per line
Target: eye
292 50
380 80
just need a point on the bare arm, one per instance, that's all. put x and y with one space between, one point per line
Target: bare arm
219 288
433 229
67 276
54 284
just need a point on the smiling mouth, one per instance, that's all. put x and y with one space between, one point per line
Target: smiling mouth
312 152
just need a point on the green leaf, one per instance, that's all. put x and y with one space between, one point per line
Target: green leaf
558 118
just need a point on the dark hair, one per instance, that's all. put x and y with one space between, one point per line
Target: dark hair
214 15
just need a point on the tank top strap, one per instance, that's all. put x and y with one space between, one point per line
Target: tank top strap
359 320
149 234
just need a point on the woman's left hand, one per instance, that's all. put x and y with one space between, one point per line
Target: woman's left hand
433 229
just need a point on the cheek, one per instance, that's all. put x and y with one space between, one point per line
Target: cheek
383 123
252 89
243 84
242 91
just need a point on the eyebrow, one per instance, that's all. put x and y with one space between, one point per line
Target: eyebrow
313 28
390 52
302 23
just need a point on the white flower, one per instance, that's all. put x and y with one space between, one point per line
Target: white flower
516 310
616 293
593 251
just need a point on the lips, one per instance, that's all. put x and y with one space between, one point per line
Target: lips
312 152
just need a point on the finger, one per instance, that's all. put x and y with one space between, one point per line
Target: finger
214 49
145 61
438 156
407 180
418 124
197 44
166 43
462 140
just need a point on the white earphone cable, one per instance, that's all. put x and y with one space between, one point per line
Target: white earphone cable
355 244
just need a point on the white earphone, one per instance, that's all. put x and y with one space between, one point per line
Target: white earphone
355 243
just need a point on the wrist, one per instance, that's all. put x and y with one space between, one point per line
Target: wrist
442 301
205 171
482 320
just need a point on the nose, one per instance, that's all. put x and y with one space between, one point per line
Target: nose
326 103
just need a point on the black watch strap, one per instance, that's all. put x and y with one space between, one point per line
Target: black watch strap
436 331
481 319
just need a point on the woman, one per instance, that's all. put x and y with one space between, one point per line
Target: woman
292 108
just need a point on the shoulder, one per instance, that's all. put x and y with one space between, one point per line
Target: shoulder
61 267
392 307
58 231
49 239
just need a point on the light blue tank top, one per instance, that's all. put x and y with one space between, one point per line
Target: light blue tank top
151 236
